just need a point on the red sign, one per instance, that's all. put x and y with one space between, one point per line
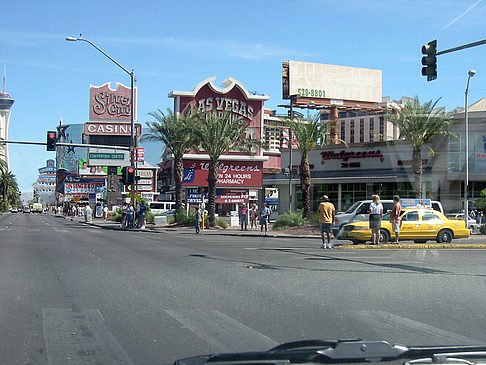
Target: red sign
230 173
106 103
110 129
140 154
235 196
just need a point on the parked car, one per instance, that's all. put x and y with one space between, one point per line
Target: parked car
419 225
471 222
359 211
26 210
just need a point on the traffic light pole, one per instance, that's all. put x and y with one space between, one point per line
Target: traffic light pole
469 45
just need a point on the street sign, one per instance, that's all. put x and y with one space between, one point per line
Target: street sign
108 157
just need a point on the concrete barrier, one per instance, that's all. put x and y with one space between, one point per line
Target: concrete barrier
160 220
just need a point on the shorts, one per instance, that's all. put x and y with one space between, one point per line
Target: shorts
395 226
263 221
375 221
326 227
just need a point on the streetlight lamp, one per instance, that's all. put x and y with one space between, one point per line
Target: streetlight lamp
132 80
471 73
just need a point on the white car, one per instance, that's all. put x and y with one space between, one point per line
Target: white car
471 222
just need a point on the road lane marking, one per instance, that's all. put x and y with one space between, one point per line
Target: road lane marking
385 322
221 331
80 337
420 254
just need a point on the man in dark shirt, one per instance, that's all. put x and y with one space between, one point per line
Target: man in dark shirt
395 213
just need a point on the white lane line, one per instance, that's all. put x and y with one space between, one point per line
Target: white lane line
221 331
80 337
384 322
420 255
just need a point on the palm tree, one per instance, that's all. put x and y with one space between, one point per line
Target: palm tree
7 184
309 135
175 132
419 124
217 134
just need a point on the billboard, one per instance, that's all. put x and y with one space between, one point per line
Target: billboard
106 103
230 173
334 82
107 157
110 129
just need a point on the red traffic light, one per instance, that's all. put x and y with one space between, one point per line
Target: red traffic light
52 135
131 170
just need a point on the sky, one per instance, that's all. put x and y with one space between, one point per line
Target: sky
174 45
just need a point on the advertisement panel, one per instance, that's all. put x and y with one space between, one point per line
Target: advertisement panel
233 196
230 173
91 170
106 103
338 83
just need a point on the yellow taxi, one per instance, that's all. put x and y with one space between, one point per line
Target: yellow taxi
418 224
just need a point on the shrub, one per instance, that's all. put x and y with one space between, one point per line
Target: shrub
221 223
482 229
289 219
314 218
181 217
149 217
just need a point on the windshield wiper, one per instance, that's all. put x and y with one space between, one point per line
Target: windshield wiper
345 351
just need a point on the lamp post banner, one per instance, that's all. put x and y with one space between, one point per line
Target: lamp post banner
230 173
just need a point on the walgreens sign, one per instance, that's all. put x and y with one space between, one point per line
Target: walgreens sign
230 173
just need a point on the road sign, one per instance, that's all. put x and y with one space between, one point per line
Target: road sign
108 157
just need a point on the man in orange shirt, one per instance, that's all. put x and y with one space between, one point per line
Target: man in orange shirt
326 219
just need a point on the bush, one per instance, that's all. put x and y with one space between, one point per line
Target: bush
289 219
149 217
117 215
314 218
181 217
221 223
482 229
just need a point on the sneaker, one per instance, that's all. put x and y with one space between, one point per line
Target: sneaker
322 246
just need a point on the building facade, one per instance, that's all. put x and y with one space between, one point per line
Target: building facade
6 103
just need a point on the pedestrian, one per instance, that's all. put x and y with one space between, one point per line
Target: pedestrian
395 214
142 213
124 215
130 213
244 217
479 217
264 214
376 213
327 215
253 216
105 212
197 218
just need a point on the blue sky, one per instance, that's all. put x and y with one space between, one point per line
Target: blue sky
173 45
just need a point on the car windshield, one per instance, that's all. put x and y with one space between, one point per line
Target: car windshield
208 177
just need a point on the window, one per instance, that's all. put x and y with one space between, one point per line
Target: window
410 217
372 129
343 131
382 128
351 131
361 130
429 216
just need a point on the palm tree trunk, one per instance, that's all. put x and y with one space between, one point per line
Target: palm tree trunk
417 172
178 174
212 179
305 182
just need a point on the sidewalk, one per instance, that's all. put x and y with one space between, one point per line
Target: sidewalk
236 232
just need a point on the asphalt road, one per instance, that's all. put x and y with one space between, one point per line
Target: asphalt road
73 293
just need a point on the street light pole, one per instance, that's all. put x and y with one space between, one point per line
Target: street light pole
132 120
291 115
471 73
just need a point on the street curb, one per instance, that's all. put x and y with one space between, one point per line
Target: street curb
416 246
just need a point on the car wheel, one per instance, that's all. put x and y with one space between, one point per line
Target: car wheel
384 236
444 236
420 241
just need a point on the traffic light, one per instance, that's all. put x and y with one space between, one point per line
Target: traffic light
51 141
123 175
130 175
430 60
